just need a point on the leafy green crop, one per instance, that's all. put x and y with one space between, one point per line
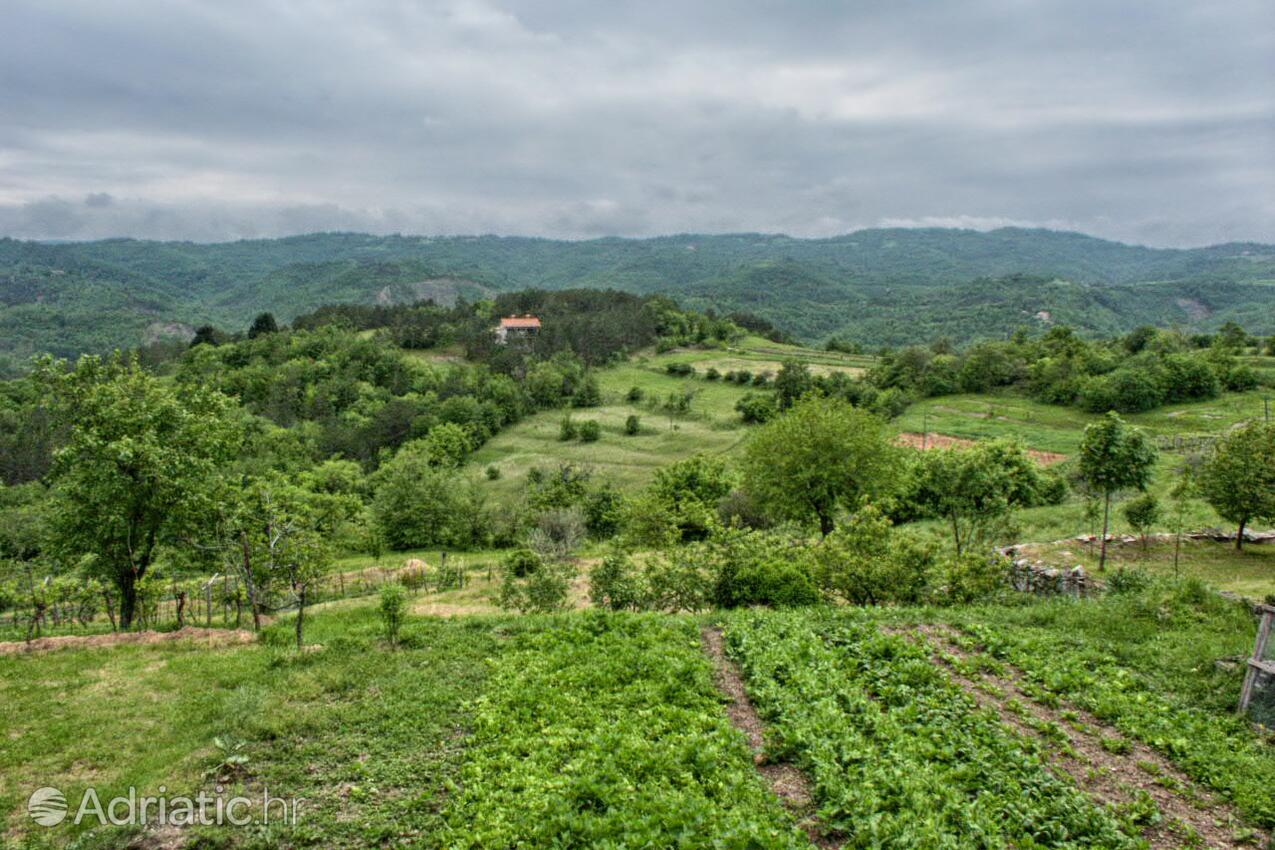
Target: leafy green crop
606 731
901 757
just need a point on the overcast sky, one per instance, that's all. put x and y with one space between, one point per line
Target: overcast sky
1150 121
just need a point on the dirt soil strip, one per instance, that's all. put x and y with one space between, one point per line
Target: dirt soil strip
945 441
208 637
1105 776
787 783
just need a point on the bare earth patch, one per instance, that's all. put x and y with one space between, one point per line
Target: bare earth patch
206 637
1073 740
944 441
786 782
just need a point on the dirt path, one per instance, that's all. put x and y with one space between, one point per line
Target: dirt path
788 783
1108 766
207 637
945 441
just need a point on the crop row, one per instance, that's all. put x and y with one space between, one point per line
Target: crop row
900 756
605 730
1219 751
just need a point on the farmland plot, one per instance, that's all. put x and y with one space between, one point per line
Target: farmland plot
910 746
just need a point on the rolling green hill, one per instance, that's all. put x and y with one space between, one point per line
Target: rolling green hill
874 286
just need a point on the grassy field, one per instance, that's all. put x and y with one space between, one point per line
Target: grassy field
1250 572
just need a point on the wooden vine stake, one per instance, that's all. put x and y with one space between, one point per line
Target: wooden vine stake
1261 667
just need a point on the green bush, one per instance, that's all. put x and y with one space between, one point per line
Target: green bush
617 585
543 590
567 429
393 609
778 584
493 473
590 431
633 425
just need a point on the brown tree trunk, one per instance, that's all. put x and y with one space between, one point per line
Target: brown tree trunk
300 613
1239 536
1106 519
825 523
181 609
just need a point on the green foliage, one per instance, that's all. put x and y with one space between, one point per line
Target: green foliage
590 431
418 504
865 562
755 408
976 489
532 585
1238 476
821 456
615 584
140 467
568 429
632 425
393 609
620 741
865 712
1142 512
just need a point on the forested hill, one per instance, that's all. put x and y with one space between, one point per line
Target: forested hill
873 286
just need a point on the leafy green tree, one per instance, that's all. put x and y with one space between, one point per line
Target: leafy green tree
1238 476
418 504
139 469
1142 513
448 444
821 456
263 324
1114 456
633 425
976 489
792 382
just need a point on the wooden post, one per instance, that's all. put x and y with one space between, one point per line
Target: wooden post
1258 663
208 604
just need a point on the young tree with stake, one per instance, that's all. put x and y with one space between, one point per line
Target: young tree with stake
1114 456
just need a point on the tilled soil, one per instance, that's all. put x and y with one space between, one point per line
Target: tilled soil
207 637
1074 745
787 783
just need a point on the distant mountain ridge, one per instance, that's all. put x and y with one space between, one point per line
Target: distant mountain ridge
881 286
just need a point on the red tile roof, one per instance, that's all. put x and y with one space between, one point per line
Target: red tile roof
520 322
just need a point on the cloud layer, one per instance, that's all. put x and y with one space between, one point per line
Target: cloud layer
179 119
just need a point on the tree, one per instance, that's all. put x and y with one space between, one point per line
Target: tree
140 468
1113 457
792 382
1142 513
263 324
1238 476
1183 490
417 504
976 489
820 456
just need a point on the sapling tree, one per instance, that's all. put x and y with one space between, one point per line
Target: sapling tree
393 609
1180 497
1238 476
1142 512
1114 456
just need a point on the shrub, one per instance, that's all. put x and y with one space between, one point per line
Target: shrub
541 591
761 379
615 584
680 370
393 609
756 409
769 582
633 425
590 431
1142 512
493 473
711 374
1127 581
567 429
557 533
634 395
521 563
973 576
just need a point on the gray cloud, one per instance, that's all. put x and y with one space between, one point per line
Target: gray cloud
219 120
